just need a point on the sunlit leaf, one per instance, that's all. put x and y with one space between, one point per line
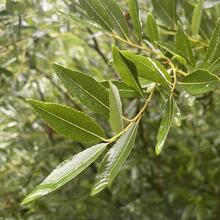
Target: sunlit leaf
85 88
114 159
66 171
116 120
68 121
152 29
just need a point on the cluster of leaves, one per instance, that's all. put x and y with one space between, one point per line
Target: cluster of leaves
167 69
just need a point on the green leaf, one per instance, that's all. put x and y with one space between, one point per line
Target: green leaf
97 12
116 16
149 69
166 11
152 29
196 19
116 120
68 121
135 17
183 45
199 82
85 88
114 159
213 52
125 91
127 70
66 171
165 124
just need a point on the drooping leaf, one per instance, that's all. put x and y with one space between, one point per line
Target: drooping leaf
152 29
116 119
199 82
125 91
126 69
165 124
149 69
197 15
97 12
166 11
85 88
135 17
116 16
183 45
213 52
68 121
114 159
66 171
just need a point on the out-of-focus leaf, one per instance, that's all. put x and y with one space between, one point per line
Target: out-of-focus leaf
85 88
135 17
114 159
97 12
126 69
183 45
68 121
196 19
152 29
165 125
116 16
116 120
149 69
213 52
166 11
66 171
199 82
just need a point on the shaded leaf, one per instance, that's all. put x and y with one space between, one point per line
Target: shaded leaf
68 121
116 120
97 12
126 69
183 45
116 16
135 17
199 82
152 29
66 171
114 159
196 19
85 88
165 124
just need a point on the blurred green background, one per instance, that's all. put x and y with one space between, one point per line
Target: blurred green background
182 183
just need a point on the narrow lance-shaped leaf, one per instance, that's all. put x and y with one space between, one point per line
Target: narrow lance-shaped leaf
149 69
213 52
68 121
152 29
114 159
97 12
66 171
126 69
116 120
165 124
135 17
85 88
116 16
199 82
197 15
184 46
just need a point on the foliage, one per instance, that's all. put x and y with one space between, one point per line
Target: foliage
168 76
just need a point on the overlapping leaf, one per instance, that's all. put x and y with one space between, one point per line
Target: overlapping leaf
116 120
165 125
152 29
135 17
66 171
127 70
199 82
114 159
68 121
85 88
